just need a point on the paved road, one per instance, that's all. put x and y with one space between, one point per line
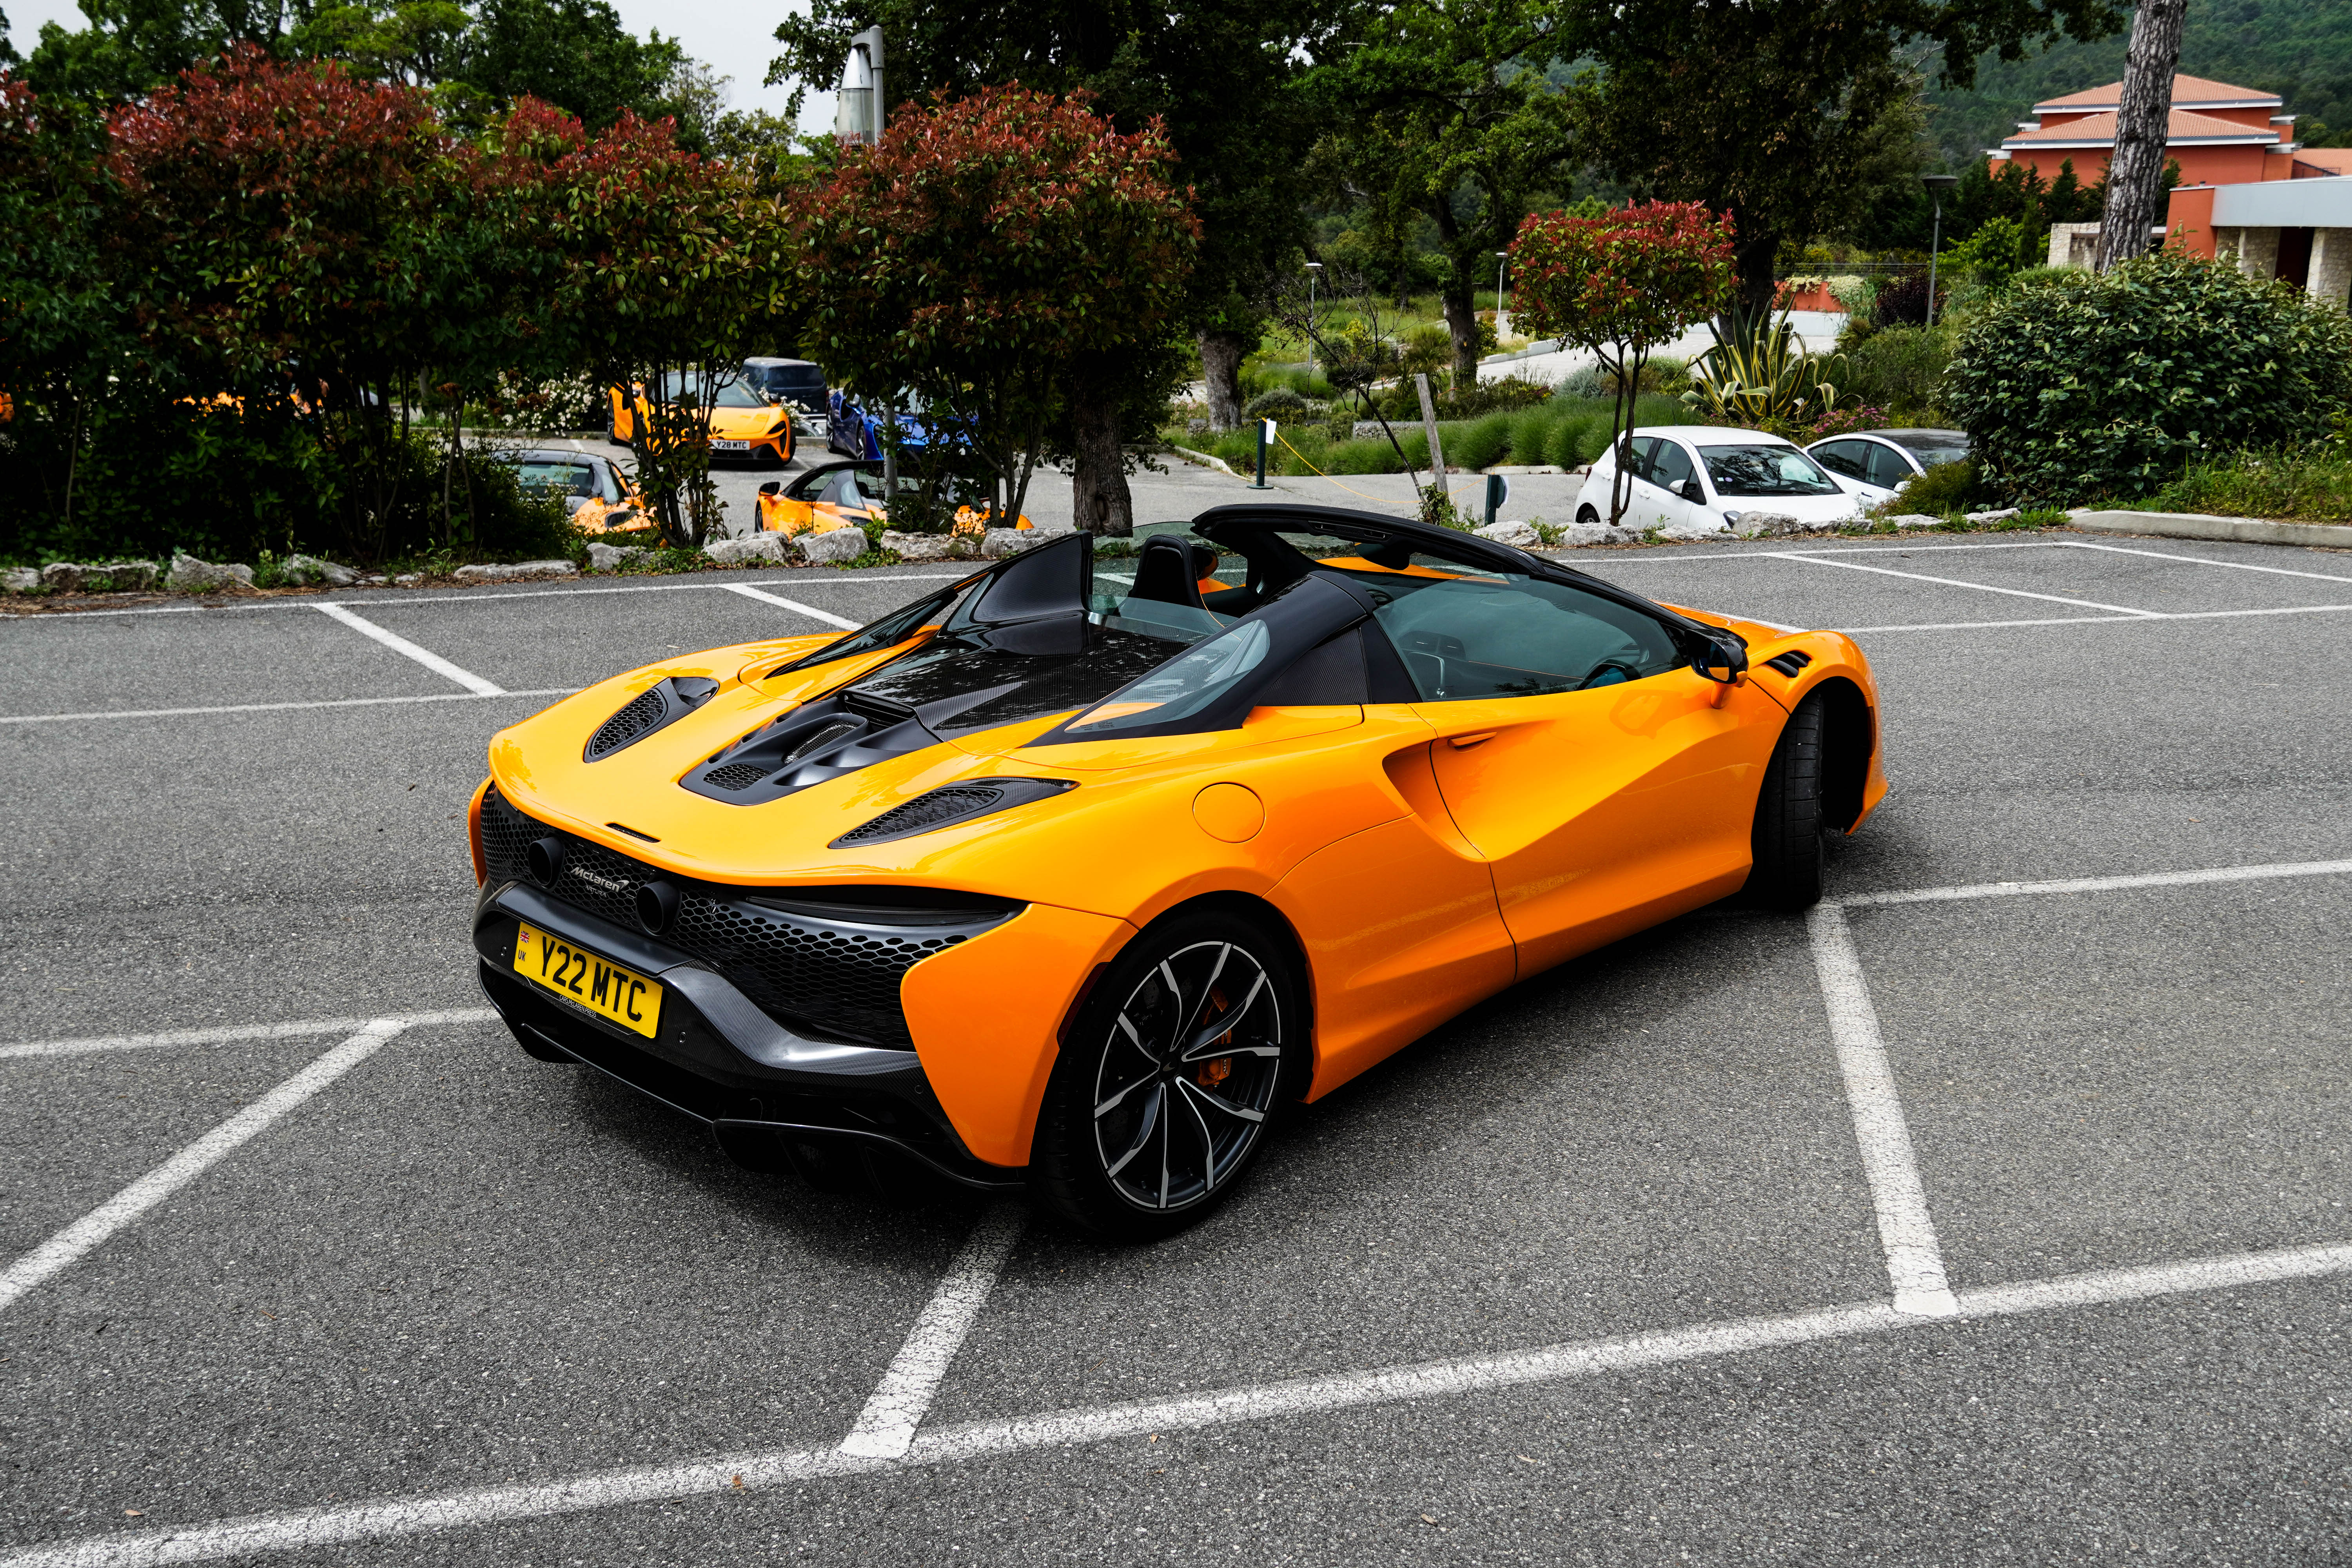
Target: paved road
544 1323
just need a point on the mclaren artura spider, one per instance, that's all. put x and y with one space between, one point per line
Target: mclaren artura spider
1078 876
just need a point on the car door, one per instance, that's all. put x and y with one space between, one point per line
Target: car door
1671 472
1888 468
1607 784
1849 462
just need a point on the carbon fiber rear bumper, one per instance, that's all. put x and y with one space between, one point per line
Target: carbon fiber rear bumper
762 1090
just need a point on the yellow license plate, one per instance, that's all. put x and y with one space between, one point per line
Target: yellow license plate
599 985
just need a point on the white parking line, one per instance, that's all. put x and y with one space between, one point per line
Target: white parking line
401 598
402 646
67 1248
274 707
886 1428
1958 583
2102 884
730 1475
761 594
1907 1232
220 1036
2202 561
2137 617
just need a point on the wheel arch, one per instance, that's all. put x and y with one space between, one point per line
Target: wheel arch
1849 736
1265 911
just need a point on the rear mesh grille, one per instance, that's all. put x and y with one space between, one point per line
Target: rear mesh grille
940 806
630 722
834 977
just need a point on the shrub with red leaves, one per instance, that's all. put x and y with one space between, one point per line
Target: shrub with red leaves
986 248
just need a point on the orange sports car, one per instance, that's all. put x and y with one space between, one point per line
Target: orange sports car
1080 881
835 495
747 423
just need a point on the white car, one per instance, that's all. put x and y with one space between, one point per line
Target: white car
1699 478
1877 463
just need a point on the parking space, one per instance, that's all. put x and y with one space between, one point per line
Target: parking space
1955 1217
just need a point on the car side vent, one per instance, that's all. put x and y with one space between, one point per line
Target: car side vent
739 775
1791 662
664 703
950 803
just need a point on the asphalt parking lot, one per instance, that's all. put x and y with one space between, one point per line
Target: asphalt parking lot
1995 1211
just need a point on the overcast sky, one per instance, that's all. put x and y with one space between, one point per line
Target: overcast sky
735 40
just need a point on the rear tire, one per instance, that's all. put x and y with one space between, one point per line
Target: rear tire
1788 840
1153 1115
1587 516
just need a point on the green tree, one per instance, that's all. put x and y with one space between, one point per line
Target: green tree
1447 112
994 252
1784 115
1619 286
1222 79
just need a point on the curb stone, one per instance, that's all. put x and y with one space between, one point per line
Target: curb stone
2200 525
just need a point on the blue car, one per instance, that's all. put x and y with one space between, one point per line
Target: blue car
852 432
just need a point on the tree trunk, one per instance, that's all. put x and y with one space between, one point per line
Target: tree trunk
2135 173
1754 258
1220 368
1461 321
1098 493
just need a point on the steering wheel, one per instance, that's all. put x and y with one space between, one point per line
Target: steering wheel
1618 671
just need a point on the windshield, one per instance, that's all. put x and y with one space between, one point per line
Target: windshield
682 386
1762 471
740 395
1931 447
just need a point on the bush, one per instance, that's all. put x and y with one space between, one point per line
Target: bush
1900 368
1479 444
1665 374
1943 489
2309 482
1903 302
2080 386
1274 403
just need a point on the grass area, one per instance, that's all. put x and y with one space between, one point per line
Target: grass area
1565 431
2311 484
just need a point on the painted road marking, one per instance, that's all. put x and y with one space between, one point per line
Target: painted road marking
275 707
749 592
402 646
2102 884
403 597
237 1032
1907 1232
1956 583
885 1429
69 1245
731 1474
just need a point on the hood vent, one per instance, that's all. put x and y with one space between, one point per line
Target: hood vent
665 703
950 803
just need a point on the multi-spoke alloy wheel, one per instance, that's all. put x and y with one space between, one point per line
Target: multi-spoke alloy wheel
1166 1088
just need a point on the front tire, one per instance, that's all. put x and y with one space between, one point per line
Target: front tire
1587 516
1788 839
1178 1064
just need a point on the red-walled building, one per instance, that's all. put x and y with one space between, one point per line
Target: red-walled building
2219 135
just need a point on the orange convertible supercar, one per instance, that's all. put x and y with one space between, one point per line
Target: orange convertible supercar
1059 878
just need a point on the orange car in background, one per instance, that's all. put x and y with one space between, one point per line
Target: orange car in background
1083 882
835 494
747 424
603 498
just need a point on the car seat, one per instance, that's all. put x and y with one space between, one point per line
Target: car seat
1168 570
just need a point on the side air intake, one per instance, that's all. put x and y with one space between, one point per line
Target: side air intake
948 804
1790 663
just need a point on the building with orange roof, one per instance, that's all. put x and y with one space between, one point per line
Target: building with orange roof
2219 134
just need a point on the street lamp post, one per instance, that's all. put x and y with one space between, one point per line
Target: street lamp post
1314 271
1937 186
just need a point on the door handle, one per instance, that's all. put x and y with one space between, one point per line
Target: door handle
1464 742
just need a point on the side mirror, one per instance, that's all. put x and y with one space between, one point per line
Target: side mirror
771 488
1690 489
1720 656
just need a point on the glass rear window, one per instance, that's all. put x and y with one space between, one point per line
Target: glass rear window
564 478
1762 471
1184 685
